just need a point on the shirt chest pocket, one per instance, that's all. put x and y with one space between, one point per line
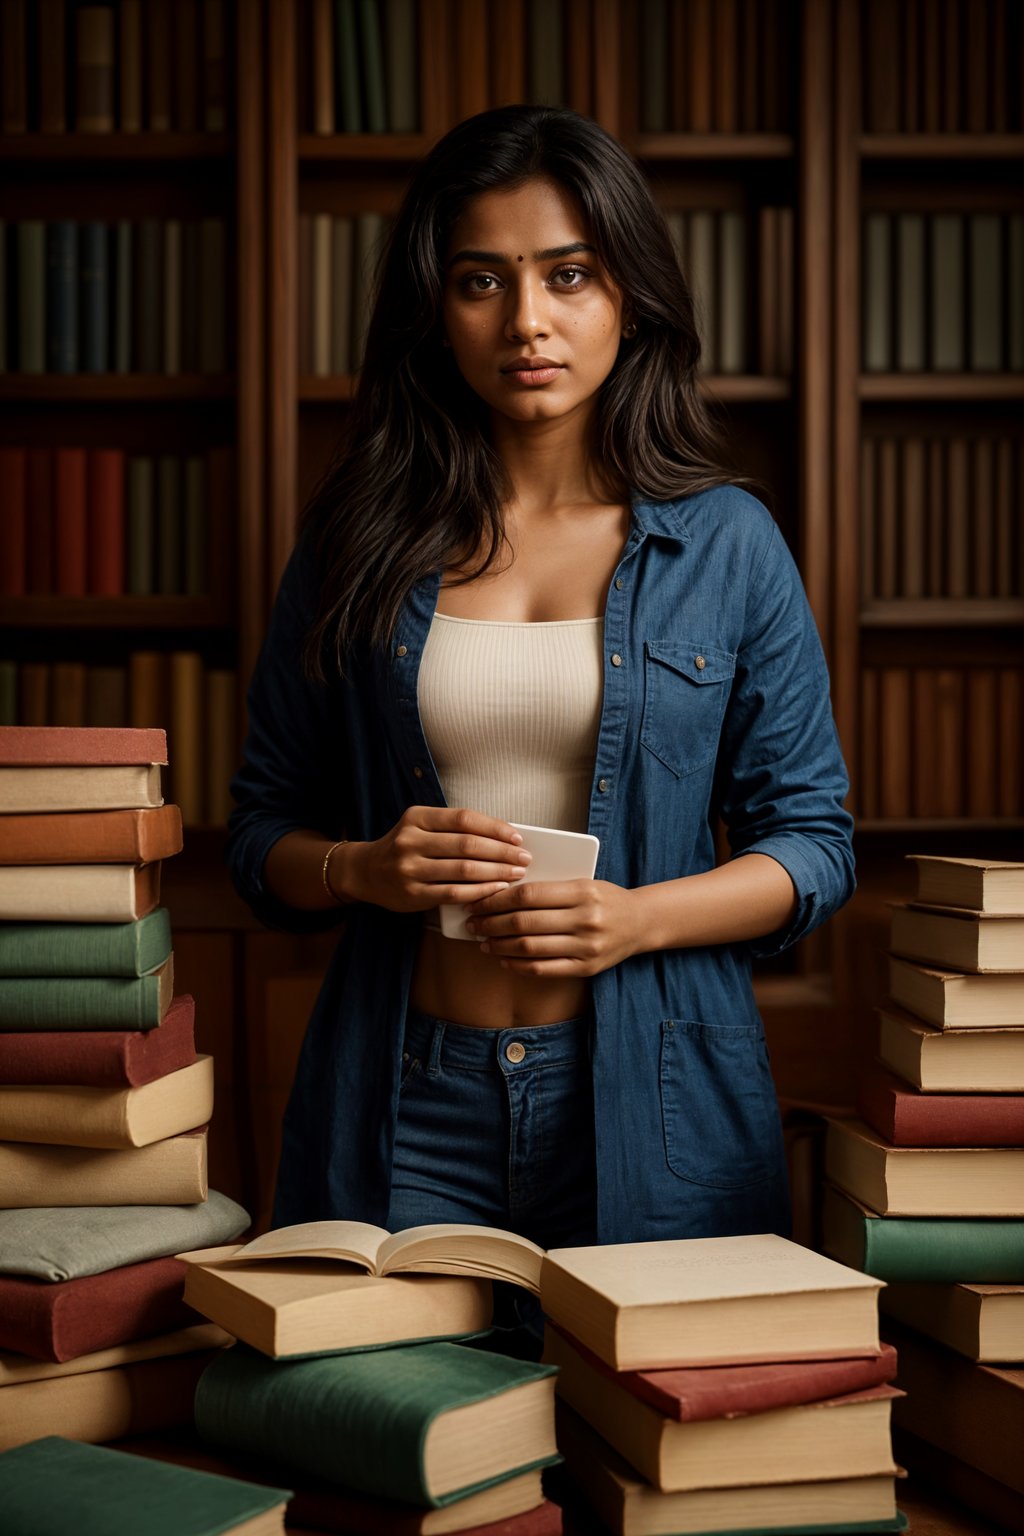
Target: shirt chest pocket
686 687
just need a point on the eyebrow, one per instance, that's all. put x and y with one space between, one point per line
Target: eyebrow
497 259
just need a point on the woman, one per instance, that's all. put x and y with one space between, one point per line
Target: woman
524 592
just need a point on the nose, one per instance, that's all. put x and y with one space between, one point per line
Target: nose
526 315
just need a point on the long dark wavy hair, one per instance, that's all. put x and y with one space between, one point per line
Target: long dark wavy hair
415 482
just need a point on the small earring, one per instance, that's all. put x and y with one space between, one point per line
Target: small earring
630 329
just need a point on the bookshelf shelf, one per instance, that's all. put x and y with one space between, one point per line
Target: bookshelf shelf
942 146
79 148
941 386
121 388
47 611
713 146
968 612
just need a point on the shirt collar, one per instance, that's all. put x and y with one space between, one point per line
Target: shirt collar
664 518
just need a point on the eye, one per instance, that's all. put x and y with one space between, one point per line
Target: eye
580 273
468 284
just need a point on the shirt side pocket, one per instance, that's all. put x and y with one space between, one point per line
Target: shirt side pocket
717 1103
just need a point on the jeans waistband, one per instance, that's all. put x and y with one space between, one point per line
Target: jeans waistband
440 1042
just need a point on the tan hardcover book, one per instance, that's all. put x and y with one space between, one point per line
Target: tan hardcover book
94 75
130 71
17 1369
972 1411
186 734
146 1397
171 1172
951 1060
895 760
221 744
321 294
983 1322
840 1437
980 885
110 1117
953 1000
303 1306
629 1506
957 938
714 1300
81 893
924 1181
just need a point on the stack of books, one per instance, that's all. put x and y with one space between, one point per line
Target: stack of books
103 1100
362 1379
721 1384
927 1187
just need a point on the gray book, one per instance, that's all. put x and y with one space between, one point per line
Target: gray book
877 316
369 229
986 323
1015 291
172 297
122 297
546 53
140 527
947 317
31 295
67 1242
732 293
343 234
701 273
910 349
400 56
169 542
212 296
196 578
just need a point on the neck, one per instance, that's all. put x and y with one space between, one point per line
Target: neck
549 463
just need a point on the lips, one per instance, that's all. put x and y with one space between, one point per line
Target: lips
530 365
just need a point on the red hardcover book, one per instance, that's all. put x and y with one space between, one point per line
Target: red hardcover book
39 515
69 521
91 837
106 522
908 1118
102 1058
44 746
76 1317
13 520
695 1394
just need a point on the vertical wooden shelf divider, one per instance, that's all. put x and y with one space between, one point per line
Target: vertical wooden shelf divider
283 298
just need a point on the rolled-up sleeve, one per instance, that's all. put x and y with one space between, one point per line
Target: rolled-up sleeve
781 776
293 770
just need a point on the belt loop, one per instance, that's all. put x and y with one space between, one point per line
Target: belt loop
436 1043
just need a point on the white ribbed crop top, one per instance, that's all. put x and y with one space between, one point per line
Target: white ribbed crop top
511 712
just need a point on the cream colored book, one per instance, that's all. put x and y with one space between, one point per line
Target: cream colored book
110 1117
709 1301
443 1248
958 939
15 1369
74 787
951 1060
143 1398
981 885
171 1172
304 1306
628 1506
78 893
953 1000
840 1437
983 1322
923 1181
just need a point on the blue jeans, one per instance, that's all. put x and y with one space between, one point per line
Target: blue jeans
496 1128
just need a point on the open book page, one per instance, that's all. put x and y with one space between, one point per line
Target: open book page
451 1248
355 1242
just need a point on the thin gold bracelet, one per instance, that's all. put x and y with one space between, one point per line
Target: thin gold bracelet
323 872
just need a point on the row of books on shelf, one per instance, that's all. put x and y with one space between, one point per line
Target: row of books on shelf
101 522
926 1187
200 702
718 68
145 296
949 70
142 65
941 742
943 292
940 516
337 257
364 65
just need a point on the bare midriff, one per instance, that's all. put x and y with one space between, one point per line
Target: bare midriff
454 980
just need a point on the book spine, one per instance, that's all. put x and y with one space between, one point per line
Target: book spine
701 74
94 75
105 522
70 521
947 293
701 228
732 289
221 744
877 293
214 67
147 283
186 733
212 296
146 688
81 1002
372 66
8 693
13 520
94 297
123 297
910 353
341 296
172 297
346 67
923 1248
322 53
106 703
186 62
169 526
724 113
62 296
194 527
400 56
141 527
159 66
31 294
67 694
52 68
321 294
130 62
101 1058
987 321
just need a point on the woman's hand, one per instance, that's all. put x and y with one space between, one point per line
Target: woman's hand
558 927
435 854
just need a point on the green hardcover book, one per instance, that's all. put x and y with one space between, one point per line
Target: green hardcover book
400 56
86 1002
987 319
910 271
947 295
426 1424
346 67
372 58
976 1250
86 949
1015 285
51 1485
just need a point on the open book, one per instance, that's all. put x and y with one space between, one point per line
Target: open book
447 1248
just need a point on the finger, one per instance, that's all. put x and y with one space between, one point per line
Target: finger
468 872
448 895
535 895
470 848
537 946
546 968
446 818
522 924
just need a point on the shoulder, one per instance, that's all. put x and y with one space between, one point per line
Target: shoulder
725 523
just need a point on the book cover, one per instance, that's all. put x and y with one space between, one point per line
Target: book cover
44 746
957 939
924 1181
92 837
69 1115
70 521
907 1117
82 893
951 1061
100 949
78 1317
73 787
920 1247
86 1002
983 1322
955 1000
980 885
105 522
94 295
99 1058
171 1172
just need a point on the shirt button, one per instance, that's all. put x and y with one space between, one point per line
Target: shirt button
618 583
602 785
417 772
403 650
616 660
515 1050
699 663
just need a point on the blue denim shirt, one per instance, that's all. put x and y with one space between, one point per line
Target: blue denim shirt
720 707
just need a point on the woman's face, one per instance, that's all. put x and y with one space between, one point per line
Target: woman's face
522 281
